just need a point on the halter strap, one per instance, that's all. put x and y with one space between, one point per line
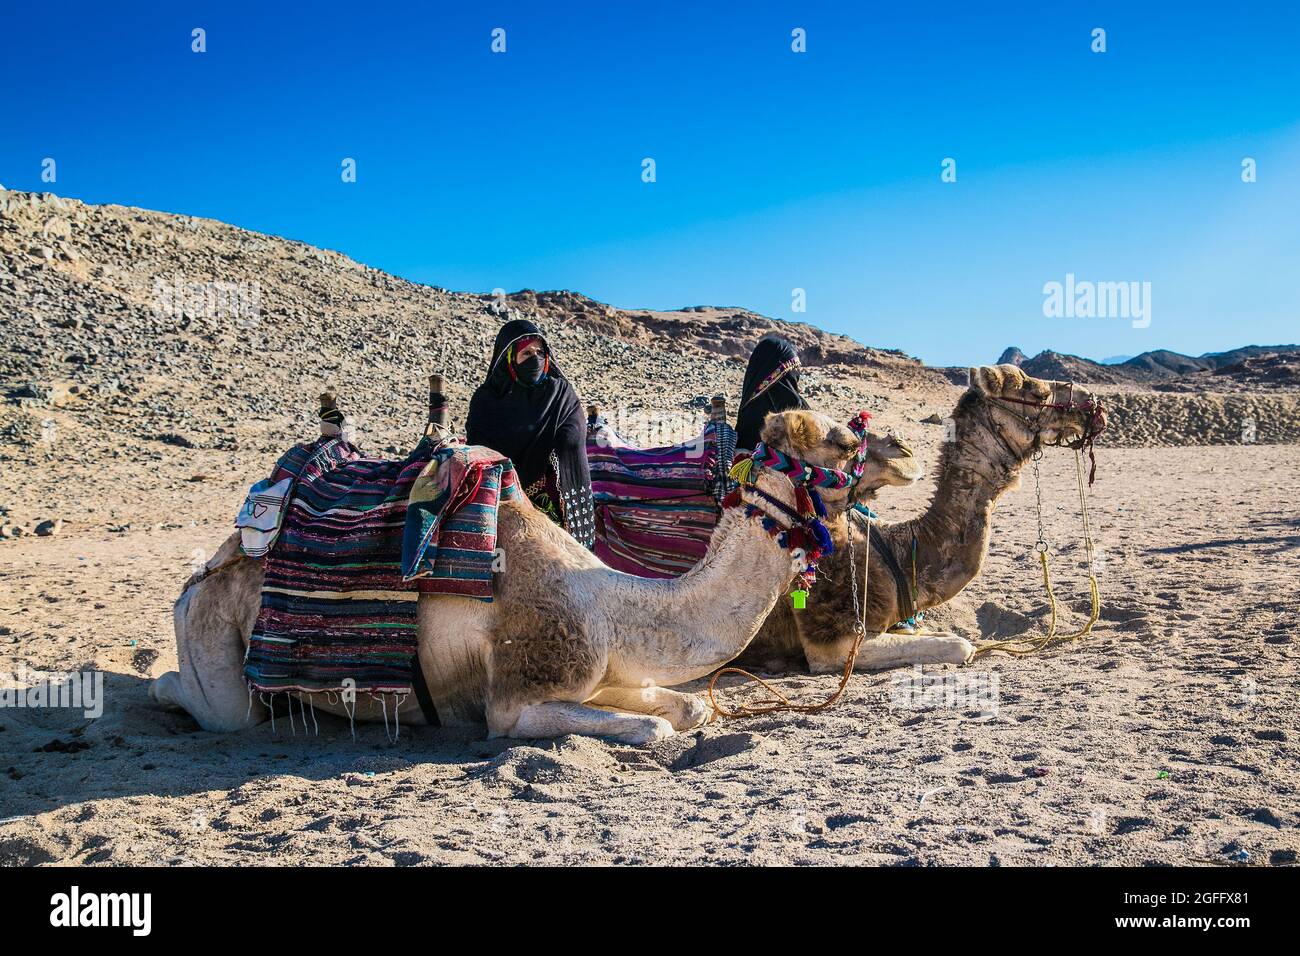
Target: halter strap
1092 426
806 530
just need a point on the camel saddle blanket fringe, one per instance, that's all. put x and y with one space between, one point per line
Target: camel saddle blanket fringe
338 607
656 508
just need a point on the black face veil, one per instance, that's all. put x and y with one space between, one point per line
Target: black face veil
533 416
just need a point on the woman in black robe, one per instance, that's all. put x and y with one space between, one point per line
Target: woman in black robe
527 410
771 385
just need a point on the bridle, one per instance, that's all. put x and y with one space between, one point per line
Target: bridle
805 536
1094 423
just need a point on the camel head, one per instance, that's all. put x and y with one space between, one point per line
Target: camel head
816 439
1037 411
890 462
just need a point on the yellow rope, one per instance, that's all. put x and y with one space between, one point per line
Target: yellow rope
1022 647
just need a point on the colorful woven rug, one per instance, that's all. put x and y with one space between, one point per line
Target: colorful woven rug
337 603
655 507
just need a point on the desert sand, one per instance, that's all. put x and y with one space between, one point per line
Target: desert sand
1168 736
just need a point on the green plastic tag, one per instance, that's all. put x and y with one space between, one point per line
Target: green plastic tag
799 599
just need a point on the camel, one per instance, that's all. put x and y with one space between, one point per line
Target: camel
1001 421
567 645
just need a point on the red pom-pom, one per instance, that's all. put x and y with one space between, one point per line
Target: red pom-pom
733 499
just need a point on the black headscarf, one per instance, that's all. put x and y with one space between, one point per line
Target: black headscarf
770 354
529 421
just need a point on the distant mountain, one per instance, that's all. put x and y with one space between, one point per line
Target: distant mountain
1163 362
1011 356
1257 364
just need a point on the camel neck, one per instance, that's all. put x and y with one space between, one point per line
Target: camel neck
952 536
682 629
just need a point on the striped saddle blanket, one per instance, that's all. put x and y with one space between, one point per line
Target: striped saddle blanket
656 507
361 538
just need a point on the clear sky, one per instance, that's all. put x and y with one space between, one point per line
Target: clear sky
775 170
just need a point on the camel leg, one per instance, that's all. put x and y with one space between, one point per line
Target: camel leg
554 718
209 684
683 711
888 650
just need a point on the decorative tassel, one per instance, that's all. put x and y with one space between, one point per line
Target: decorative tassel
803 501
818 505
822 535
733 499
742 470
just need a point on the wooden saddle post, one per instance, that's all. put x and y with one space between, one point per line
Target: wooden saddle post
438 406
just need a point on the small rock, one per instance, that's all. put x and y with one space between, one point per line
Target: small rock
932 420
47 529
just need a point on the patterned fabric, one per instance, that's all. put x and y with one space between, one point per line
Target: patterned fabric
655 508
451 520
798 470
336 605
573 509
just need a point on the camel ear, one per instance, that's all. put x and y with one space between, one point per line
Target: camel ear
988 379
794 432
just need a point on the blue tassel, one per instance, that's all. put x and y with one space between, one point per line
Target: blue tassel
768 524
823 537
818 505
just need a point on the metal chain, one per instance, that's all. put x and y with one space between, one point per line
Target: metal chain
858 617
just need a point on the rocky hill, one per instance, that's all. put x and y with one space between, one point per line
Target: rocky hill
152 362
146 348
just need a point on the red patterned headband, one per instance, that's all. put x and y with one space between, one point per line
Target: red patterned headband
774 376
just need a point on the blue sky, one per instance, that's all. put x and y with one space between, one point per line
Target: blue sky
775 170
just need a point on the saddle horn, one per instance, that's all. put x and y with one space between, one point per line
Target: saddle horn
331 419
718 409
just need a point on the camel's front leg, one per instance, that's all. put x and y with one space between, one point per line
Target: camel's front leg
683 711
886 651
539 676
211 620
555 718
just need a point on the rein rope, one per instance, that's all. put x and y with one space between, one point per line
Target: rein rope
778 702
1023 647
1093 426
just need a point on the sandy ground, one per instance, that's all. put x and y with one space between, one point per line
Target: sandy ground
1170 736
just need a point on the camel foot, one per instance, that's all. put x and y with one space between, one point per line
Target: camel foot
647 730
165 691
682 711
556 718
889 650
